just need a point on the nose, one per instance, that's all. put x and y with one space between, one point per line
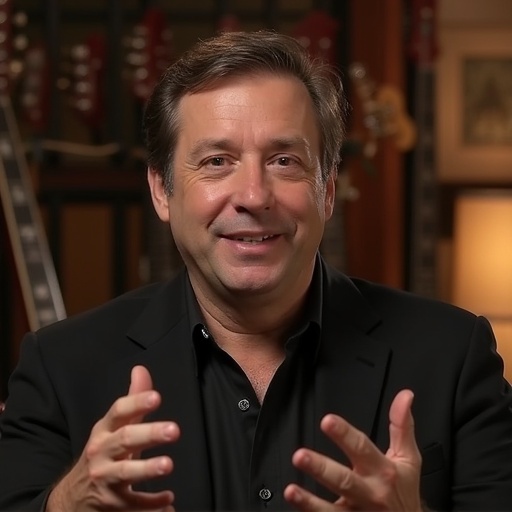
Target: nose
253 187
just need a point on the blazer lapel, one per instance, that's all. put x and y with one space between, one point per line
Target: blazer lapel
163 330
351 364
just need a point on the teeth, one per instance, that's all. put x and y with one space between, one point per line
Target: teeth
254 240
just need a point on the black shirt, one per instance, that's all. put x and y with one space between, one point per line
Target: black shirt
250 445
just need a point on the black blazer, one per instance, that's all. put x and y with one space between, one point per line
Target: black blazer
375 342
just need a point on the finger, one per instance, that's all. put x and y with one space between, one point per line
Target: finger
140 380
402 441
130 471
161 501
132 439
305 501
130 409
332 475
126 499
365 457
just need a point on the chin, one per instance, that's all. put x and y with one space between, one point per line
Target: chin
257 283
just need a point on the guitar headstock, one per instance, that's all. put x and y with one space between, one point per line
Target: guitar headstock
317 32
12 43
228 23
384 112
87 70
423 45
150 52
35 88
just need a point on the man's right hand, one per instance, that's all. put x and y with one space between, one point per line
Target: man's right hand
103 476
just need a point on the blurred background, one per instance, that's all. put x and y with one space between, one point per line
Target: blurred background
424 197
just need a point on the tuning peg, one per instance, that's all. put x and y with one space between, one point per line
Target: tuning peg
79 52
63 83
136 59
20 42
20 19
15 68
357 71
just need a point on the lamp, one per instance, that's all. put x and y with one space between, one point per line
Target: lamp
483 261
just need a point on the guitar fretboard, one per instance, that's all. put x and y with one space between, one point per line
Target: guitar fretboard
36 272
424 214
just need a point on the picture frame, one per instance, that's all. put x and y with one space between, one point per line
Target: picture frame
474 105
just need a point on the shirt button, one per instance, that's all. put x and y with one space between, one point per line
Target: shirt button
205 332
244 404
265 494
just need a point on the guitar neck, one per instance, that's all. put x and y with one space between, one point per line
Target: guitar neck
423 230
423 271
34 265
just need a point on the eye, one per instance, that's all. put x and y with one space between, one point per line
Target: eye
216 161
284 161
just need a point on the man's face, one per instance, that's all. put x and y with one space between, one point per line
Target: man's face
248 205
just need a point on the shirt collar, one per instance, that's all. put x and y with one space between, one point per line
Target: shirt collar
310 321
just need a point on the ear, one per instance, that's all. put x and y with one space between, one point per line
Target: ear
158 195
330 195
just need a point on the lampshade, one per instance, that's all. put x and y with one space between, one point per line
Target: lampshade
482 264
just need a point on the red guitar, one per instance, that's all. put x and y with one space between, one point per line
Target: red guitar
87 80
150 52
35 88
317 32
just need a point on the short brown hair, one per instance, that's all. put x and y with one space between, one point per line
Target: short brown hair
234 54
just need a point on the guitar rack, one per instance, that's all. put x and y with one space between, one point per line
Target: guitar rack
116 181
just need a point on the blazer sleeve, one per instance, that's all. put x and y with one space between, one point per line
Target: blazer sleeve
483 428
34 444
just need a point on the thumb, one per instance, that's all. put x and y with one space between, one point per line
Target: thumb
140 380
402 442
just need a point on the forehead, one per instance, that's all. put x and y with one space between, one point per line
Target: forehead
260 103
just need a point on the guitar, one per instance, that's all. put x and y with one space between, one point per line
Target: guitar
35 269
87 70
423 228
227 21
35 88
150 53
384 112
318 32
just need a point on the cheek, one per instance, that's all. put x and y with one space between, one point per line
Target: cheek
198 202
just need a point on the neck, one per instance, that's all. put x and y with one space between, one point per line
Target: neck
255 341
253 329
251 324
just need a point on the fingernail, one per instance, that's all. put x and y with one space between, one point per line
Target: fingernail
162 466
151 399
169 431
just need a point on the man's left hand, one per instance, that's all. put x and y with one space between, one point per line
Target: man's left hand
376 481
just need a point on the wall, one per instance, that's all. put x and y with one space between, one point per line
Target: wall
469 29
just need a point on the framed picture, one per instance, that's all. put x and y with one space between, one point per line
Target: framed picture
474 105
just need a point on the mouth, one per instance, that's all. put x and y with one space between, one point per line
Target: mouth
253 239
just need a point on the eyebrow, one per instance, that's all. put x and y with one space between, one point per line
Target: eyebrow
278 143
205 145
290 142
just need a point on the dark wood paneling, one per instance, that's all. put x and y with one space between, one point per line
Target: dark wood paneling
375 220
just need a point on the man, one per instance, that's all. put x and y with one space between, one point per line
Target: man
260 378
